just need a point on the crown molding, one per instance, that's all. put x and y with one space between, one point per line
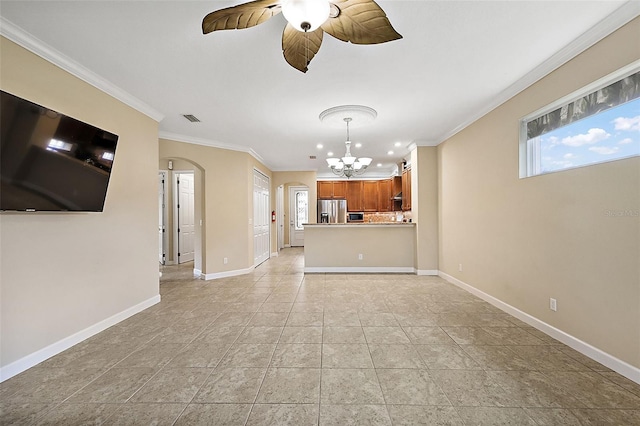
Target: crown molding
417 143
19 36
621 16
212 144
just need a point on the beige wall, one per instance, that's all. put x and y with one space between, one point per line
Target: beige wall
227 203
64 273
526 240
424 207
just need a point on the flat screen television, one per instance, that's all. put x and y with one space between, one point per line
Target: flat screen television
50 161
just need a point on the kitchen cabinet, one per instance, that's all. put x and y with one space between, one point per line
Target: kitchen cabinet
396 188
385 204
406 189
331 190
370 195
367 195
340 189
355 193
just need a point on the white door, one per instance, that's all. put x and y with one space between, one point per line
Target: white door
298 214
261 218
185 216
162 177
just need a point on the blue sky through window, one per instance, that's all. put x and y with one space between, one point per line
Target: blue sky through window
609 135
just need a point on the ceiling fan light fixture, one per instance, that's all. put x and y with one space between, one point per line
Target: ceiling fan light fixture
306 15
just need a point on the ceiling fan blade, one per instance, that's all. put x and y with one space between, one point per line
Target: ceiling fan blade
360 22
299 48
242 16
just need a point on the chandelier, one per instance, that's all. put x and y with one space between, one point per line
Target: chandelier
348 165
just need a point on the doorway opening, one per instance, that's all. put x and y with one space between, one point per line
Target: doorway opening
298 214
162 217
184 211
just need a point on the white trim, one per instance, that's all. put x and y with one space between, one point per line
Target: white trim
359 269
275 254
619 366
619 17
427 272
287 246
19 36
197 273
213 144
227 274
43 354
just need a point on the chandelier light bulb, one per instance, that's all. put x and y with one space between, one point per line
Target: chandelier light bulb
306 15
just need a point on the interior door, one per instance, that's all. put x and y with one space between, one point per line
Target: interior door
162 177
261 218
298 214
185 216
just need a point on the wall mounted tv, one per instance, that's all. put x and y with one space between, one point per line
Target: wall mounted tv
51 162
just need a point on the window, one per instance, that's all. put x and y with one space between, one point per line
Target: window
599 123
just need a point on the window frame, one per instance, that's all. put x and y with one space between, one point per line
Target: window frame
529 155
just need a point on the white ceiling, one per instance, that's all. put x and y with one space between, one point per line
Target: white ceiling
457 60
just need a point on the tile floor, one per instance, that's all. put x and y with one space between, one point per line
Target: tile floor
278 347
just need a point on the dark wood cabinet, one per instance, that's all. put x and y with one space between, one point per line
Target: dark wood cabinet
396 188
385 203
340 189
370 195
406 189
355 201
331 190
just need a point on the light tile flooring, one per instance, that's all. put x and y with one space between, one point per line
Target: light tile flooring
279 347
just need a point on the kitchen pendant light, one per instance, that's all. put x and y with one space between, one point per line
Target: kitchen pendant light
348 165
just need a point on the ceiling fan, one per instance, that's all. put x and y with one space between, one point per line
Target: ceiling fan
355 21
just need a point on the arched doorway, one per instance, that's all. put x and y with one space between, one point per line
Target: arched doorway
188 217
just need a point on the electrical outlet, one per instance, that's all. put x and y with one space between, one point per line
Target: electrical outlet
553 304
360 256
460 267
225 260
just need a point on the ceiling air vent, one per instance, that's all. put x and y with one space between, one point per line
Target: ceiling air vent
192 118
312 157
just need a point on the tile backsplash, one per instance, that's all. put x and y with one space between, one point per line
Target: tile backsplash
387 217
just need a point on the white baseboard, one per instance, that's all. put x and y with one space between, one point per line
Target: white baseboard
197 272
275 254
359 270
427 272
617 365
287 246
43 354
227 274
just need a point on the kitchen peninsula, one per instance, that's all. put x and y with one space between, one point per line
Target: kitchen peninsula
387 247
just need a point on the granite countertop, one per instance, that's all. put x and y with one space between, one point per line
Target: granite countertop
361 224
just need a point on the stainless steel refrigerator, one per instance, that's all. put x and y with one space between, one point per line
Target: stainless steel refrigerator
332 211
